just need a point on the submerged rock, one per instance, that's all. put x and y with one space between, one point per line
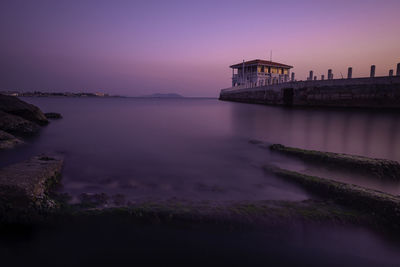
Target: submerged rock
53 115
381 168
16 125
8 141
27 183
17 107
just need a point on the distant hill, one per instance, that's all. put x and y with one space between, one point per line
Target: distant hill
158 95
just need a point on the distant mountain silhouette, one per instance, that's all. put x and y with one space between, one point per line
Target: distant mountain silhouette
158 95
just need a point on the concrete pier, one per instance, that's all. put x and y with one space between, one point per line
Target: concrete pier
368 92
377 92
372 74
349 73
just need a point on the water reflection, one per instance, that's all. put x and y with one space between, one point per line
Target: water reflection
198 148
362 132
359 132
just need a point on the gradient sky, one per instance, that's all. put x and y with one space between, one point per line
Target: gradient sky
143 47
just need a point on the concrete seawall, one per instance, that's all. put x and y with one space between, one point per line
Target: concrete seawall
376 92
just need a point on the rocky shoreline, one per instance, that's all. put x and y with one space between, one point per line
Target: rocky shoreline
18 119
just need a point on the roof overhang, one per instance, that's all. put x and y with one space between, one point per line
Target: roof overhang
259 62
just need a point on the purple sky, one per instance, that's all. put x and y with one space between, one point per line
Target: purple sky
143 47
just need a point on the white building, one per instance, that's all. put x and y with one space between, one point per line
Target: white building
259 72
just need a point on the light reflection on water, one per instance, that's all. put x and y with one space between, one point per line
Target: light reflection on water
360 132
368 133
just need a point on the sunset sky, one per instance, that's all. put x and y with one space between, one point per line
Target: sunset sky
143 47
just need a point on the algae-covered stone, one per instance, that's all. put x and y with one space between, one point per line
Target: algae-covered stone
17 107
381 168
374 202
27 183
8 141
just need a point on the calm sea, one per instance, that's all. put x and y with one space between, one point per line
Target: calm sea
198 149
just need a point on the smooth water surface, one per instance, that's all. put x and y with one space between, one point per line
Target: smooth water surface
199 149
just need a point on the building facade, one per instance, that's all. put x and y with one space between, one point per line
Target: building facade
259 73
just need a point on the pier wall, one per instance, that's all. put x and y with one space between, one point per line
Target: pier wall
373 92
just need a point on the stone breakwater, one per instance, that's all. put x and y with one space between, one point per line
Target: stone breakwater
380 168
383 206
375 92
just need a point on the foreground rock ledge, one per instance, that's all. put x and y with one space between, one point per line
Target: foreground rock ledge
25 184
381 168
376 203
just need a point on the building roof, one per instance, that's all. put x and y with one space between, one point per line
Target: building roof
262 62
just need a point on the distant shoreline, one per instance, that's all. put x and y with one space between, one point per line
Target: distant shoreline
99 95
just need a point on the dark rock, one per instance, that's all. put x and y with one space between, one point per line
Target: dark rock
15 106
53 115
17 125
27 183
8 141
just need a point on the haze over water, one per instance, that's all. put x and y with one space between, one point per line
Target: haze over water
198 149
